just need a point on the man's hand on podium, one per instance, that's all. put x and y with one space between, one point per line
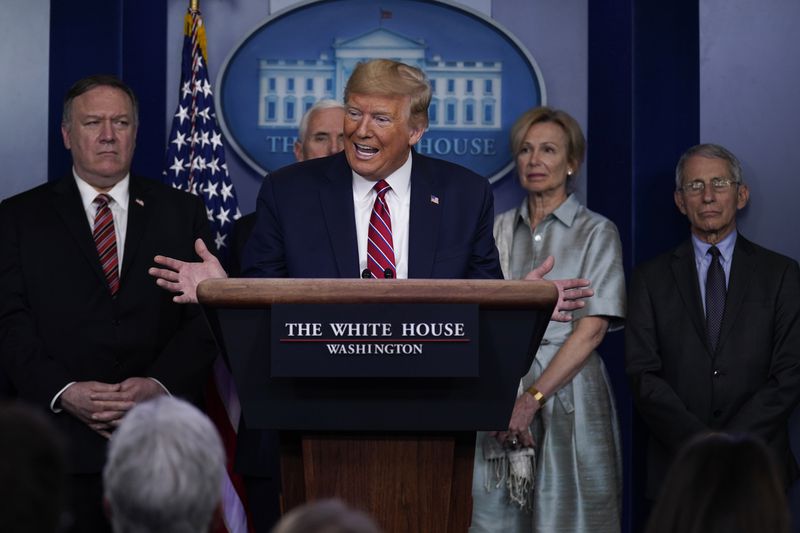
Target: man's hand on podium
571 292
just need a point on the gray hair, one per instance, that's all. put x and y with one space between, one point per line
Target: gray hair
325 516
325 103
91 82
164 469
711 151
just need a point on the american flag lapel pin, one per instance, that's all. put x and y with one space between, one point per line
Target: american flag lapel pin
139 201
434 199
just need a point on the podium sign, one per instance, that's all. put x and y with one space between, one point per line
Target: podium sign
374 340
512 317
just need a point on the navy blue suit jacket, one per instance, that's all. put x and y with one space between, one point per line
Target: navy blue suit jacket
306 227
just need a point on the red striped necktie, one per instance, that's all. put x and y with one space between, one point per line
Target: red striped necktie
380 247
105 239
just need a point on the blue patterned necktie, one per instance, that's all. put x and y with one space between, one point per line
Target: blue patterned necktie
715 298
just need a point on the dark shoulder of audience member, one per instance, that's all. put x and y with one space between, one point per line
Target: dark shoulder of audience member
325 516
32 471
721 483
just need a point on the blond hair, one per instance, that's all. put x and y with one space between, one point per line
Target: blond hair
386 77
576 143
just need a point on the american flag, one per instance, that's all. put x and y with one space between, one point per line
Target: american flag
195 162
195 159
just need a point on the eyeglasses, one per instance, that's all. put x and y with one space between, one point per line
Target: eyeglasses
697 187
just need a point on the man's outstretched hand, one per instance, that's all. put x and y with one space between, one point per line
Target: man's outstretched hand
571 292
182 277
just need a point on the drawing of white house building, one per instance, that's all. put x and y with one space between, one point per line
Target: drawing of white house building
466 94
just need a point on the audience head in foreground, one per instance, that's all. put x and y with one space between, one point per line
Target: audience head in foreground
32 471
721 483
164 470
325 516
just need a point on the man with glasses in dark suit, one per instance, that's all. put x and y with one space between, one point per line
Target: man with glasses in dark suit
713 327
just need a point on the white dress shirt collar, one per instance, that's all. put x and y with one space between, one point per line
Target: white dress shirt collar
399 181
119 192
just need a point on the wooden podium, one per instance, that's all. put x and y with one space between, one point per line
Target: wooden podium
399 447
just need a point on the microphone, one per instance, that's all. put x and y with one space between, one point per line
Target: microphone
366 274
388 273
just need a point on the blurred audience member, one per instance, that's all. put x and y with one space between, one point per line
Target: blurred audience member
164 470
32 472
326 516
722 483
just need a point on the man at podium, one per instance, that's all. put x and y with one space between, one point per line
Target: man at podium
379 209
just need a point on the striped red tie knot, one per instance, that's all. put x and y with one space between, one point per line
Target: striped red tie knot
102 200
382 187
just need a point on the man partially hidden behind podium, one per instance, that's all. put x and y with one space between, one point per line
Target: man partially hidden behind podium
85 334
713 332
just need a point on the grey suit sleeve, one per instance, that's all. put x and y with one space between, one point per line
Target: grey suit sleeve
662 409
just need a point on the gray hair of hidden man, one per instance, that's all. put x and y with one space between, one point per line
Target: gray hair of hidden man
325 103
164 469
85 85
710 151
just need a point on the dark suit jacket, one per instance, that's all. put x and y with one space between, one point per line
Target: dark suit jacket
242 229
58 321
306 228
750 384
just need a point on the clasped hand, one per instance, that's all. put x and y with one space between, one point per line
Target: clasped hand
101 406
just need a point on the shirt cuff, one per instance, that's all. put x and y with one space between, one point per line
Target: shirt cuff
58 395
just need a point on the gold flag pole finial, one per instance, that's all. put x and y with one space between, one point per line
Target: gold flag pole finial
194 5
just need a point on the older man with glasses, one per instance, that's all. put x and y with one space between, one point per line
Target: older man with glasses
713 329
